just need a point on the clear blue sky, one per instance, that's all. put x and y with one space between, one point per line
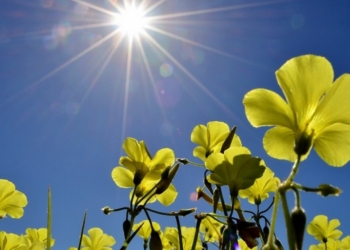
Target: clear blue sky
67 101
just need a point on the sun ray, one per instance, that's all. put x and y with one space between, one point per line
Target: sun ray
150 75
61 67
180 38
194 79
98 75
127 85
95 7
155 5
213 10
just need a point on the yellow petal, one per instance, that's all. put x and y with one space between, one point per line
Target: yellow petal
128 163
168 196
200 153
132 149
163 158
265 108
217 132
333 145
334 108
199 135
304 80
279 143
122 177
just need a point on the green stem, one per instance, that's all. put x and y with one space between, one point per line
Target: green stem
292 174
270 240
290 231
222 200
132 219
179 231
199 220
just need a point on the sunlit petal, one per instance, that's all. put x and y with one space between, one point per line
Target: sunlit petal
279 143
333 144
304 80
123 177
329 112
132 149
266 108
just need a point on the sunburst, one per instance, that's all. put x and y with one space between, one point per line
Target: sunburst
132 20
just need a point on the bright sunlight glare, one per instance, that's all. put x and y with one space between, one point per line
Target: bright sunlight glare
131 20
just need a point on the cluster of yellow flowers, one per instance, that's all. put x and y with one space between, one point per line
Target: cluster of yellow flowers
314 113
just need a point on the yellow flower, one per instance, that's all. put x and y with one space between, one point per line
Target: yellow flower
171 239
322 230
37 238
346 243
259 191
96 240
331 245
211 229
141 171
9 241
316 112
210 138
11 201
146 230
235 168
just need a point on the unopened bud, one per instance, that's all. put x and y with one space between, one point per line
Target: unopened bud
326 189
155 242
298 219
126 227
228 140
106 210
166 178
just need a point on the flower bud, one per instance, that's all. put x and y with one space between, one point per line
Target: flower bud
106 210
155 242
228 140
298 219
126 227
166 178
266 232
326 189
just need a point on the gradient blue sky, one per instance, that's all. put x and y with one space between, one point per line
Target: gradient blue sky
67 101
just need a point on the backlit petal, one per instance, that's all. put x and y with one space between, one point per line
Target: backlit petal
333 144
304 80
168 196
218 131
123 177
199 135
279 143
163 158
200 152
265 108
334 108
132 149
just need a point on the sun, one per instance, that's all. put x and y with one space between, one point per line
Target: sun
132 20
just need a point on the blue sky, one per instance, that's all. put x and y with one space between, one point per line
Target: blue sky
68 98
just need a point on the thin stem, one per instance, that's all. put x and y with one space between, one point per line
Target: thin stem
292 174
297 197
132 219
270 240
222 200
149 219
199 220
290 231
186 161
179 231
268 208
